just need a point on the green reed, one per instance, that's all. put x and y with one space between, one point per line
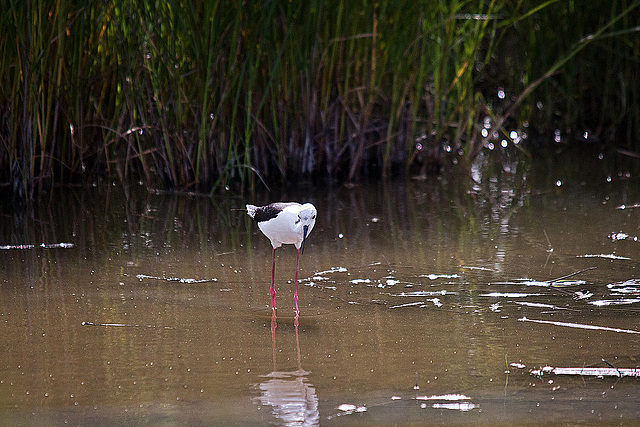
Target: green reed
206 94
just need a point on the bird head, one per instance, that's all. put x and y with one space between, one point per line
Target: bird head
306 219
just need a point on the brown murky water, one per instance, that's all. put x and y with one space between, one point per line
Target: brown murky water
419 304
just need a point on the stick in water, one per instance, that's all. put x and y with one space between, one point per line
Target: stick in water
580 326
124 325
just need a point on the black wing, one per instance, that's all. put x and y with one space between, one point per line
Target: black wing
265 213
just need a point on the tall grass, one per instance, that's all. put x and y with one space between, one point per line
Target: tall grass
204 95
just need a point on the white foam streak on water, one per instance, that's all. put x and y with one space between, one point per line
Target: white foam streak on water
477 268
332 270
525 282
509 294
440 276
528 282
542 283
436 302
176 279
621 301
423 293
631 286
449 401
347 407
461 406
622 236
606 256
448 397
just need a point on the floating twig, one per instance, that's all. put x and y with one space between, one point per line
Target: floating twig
611 365
580 326
571 275
410 304
124 325
593 372
548 241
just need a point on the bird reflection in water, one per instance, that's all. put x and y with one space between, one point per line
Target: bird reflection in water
292 398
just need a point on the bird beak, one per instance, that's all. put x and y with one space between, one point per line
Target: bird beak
304 237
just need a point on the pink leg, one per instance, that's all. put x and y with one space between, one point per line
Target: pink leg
274 325
273 337
273 273
295 292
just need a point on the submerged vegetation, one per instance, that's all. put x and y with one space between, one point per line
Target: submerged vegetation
202 95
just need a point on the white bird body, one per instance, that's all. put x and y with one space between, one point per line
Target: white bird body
284 224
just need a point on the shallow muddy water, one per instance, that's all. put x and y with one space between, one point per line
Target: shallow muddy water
420 304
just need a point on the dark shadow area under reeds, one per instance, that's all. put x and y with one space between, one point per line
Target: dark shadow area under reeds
202 95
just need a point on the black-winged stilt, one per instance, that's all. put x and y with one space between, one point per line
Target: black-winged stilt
284 223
